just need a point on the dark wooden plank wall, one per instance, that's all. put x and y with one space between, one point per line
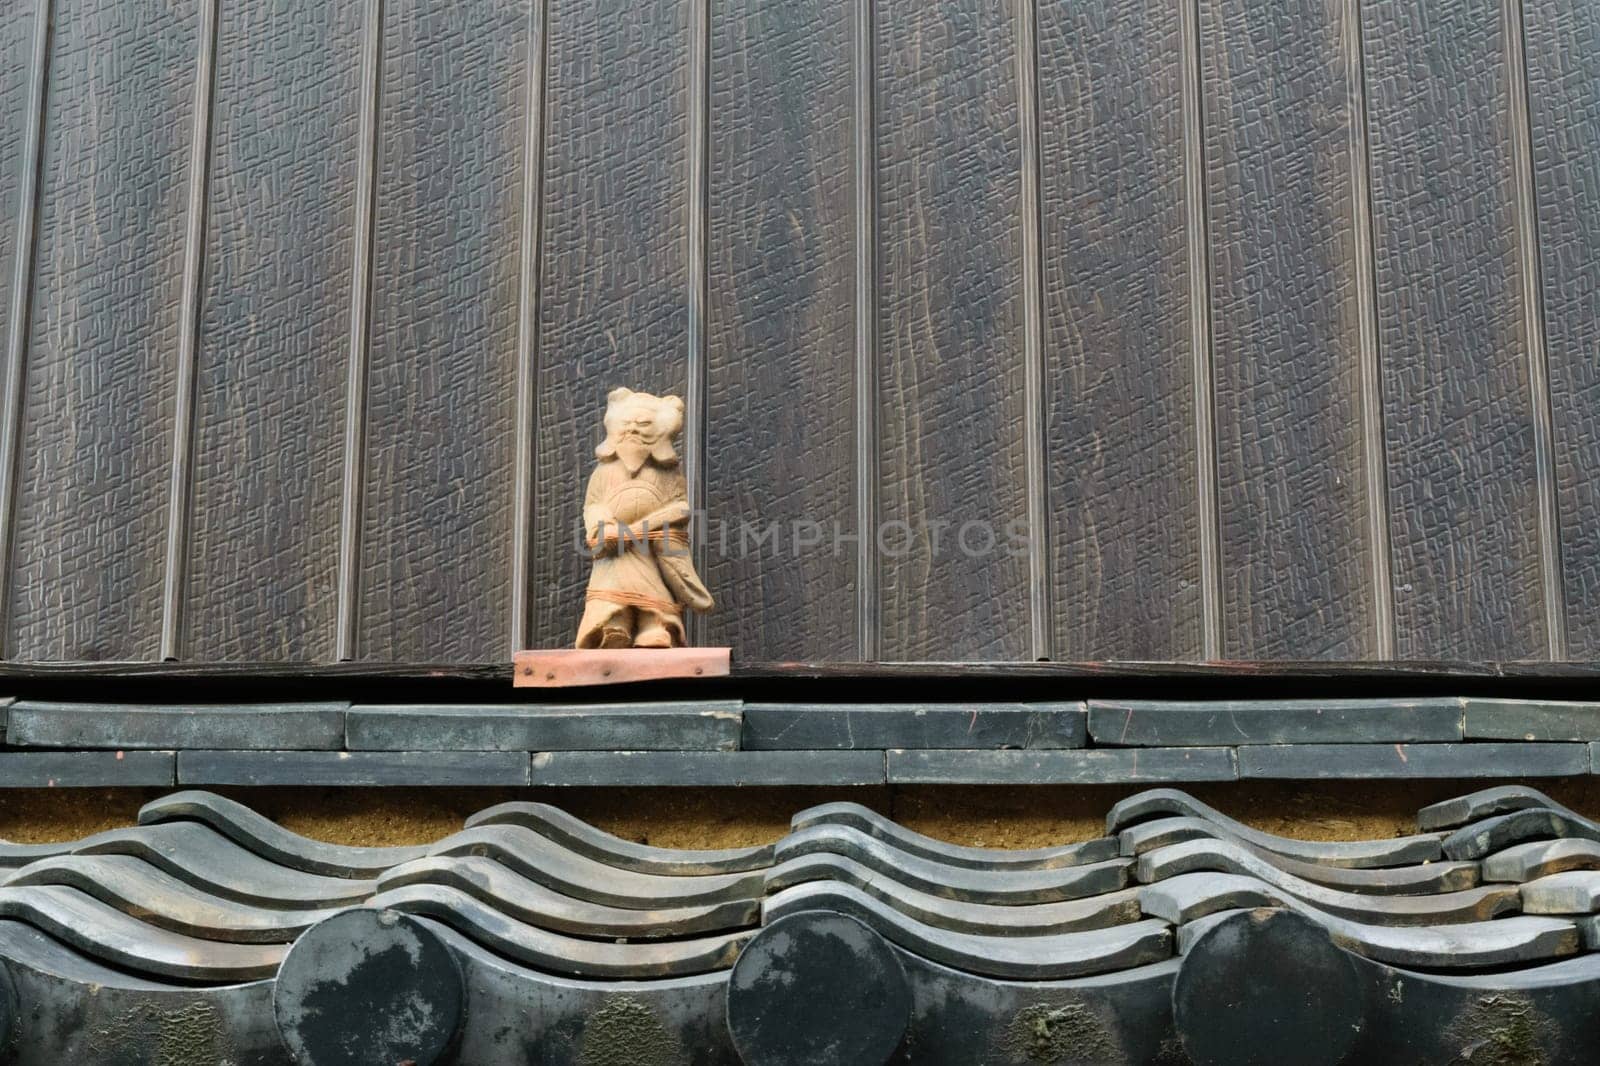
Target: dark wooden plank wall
1120 369
1459 414
1276 319
1563 50
613 273
1285 332
780 428
950 383
436 523
274 332
90 514
16 81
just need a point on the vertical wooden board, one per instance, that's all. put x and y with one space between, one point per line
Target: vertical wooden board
97 434
614 281
435 554
1286 349
1456 395
950 329
274 331
16 83
1563 49
1119 380
780 419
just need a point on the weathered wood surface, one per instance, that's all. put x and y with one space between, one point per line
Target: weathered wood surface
1296 574
436 534
1120 383
1457 402
17 23
950 379
780 417
556 186
1563 56
587 667
274 332
96 439
613 270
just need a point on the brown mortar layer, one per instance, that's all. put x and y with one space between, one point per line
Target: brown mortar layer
1021 817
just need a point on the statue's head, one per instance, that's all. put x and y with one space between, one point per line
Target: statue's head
640 426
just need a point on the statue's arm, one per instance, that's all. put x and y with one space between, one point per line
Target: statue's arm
596 514
674 513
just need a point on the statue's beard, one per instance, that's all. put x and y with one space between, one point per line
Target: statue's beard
633 452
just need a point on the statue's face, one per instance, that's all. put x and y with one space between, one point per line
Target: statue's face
638 420
640 426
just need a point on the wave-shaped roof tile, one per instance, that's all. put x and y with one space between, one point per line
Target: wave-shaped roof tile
555 926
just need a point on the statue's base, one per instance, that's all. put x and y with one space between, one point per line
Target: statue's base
567 667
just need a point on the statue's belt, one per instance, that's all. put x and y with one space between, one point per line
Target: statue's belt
679 537
635 599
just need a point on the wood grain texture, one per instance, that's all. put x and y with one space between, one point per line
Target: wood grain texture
1286 336
1456 393
780 418
436 554
91 518
1563 52
274 332
16 77
864 51
613 310
939 279
1120 425
951 384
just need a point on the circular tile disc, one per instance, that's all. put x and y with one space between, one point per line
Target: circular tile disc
1269 987
817 987
8 1006
368 986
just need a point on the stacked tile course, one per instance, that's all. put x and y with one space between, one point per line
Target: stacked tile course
207 933
731 742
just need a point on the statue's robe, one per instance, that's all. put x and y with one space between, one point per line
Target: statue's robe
654 577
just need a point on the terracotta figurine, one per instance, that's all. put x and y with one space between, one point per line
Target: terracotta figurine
636 521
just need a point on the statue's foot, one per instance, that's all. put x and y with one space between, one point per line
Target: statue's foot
615 637
653 637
